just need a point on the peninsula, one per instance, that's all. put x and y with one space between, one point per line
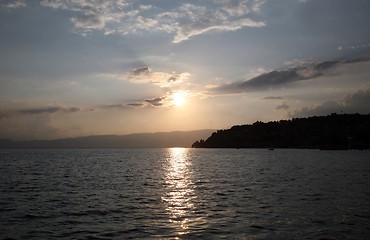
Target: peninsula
335 131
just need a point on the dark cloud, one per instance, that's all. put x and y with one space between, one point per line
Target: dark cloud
114 106
163 79
277 79
140 71
122 106
273 98
283 106
328 64
173 78
40 110
357 102
73 109
48 110
265 81
135 104
271 79
155 101
56 109
177 77
4 115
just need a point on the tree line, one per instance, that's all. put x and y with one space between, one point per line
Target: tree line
335 131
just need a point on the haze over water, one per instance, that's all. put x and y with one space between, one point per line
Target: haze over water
182 193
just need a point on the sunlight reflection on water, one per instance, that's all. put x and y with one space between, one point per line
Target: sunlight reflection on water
179 193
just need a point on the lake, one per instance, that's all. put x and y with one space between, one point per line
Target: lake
180 193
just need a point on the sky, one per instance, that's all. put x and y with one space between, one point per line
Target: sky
94 67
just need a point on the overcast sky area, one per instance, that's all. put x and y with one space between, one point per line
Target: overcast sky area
89 67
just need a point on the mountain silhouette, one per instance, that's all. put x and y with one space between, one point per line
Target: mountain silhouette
140 140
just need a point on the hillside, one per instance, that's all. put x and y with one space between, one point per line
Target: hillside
335 131
141 140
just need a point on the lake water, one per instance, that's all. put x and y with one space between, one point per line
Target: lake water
182 193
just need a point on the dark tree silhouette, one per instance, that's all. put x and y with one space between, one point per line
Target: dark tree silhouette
335 131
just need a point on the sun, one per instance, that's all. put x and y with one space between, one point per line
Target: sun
179 98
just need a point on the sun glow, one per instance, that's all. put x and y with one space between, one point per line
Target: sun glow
179 98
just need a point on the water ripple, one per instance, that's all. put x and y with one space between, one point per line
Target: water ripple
184 194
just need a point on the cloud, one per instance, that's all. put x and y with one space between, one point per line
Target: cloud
162 101
162 79
54 4
185 32
4 115
191 20
141 71
273 98
39 110
12 3
195 20
166 101
89 21
353 47
283 106
184 20
49 110
113 106
271 79
357 102
135 104
93 14
239 7
122 105
280 78
156 101
264 81
144 103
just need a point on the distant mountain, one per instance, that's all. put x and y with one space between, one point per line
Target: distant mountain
335 131
141 140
